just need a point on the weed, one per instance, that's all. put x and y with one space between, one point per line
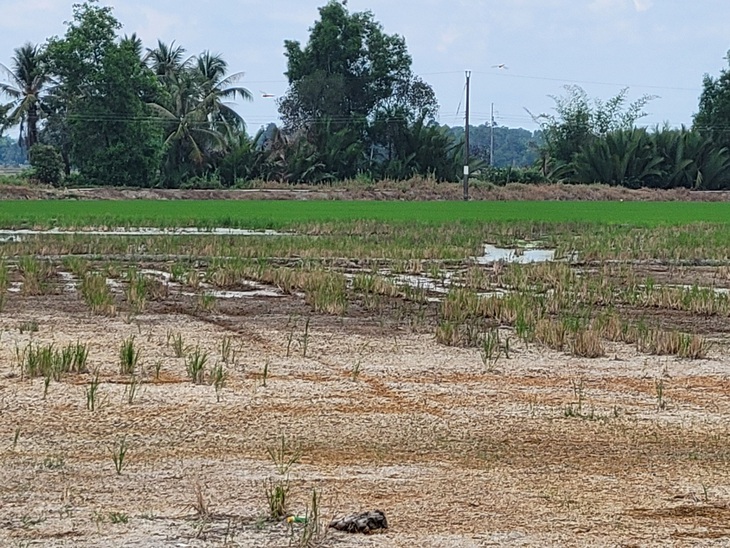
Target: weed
157 368
16 436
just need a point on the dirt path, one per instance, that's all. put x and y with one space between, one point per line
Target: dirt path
543 449
417 189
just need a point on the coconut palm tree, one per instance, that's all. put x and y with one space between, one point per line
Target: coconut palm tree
216 87
200 123
27 81
167 60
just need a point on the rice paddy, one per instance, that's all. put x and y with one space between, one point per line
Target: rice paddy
203 387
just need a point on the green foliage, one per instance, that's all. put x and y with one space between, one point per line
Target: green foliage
579 121
713 117
111 138
47 164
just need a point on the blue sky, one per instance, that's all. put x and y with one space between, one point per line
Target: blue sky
656 47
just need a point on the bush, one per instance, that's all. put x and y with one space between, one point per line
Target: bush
47 164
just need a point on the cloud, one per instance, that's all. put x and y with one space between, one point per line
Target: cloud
643 5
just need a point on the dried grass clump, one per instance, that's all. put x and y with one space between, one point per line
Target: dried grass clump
587 344
550 333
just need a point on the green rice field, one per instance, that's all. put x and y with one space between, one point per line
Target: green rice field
282 214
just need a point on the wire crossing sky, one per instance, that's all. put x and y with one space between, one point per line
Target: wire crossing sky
519 51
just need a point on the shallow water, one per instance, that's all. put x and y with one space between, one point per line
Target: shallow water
493 254
18 235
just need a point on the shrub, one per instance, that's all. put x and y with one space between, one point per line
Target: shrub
47 164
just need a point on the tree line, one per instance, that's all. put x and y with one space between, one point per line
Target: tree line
97 107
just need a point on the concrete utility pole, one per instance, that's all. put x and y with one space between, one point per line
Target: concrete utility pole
491 139
466 140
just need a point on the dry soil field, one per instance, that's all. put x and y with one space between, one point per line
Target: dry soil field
459 445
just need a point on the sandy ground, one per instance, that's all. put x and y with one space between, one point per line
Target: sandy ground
455 454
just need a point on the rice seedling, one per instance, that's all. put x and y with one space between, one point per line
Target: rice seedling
92 392
277 495
132 389
326 292
119 454
661 403
200 506
4 284
30 326
227 352
305 337
491 348
218 377
16 437
195 364
175 340
76 265
313 531
206 302
97 295
118 517
129 356
265 373
355 373
136 290
284 456
35 274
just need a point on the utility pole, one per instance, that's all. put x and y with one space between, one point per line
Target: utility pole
466 140
491 139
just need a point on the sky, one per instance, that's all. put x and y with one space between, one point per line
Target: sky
661 48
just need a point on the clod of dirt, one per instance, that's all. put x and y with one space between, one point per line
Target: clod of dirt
365 523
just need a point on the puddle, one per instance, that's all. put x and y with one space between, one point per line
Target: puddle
422 282
238 294
18 235
494 254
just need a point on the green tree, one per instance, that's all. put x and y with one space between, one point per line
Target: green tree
101 99
348 68
28 80
47 164
713 117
